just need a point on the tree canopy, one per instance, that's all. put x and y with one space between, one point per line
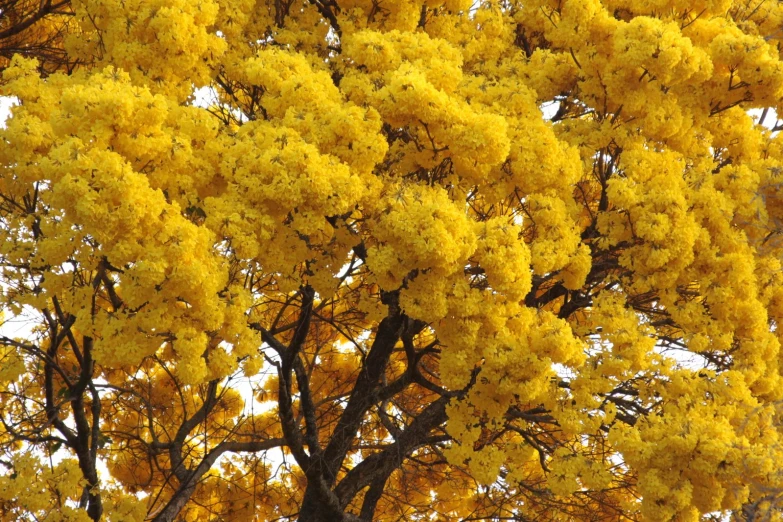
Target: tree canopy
354 260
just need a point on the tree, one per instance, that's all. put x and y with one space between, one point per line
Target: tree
414 260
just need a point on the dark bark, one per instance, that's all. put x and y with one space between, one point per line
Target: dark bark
186 488
375 470
25 20
362 398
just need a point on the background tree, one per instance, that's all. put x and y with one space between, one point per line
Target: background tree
371 280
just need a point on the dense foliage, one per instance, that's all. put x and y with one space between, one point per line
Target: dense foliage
327 260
